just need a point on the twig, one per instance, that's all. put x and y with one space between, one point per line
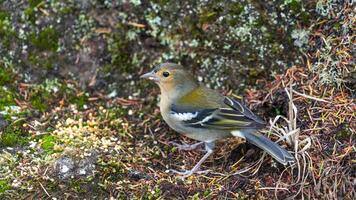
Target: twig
310 97
273 188
44 189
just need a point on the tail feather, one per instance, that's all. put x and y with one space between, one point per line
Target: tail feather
273 149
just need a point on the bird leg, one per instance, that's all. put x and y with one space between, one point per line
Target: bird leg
209 147
186 147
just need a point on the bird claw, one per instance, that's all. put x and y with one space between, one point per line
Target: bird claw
186 147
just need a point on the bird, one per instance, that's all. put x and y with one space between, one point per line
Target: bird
205 115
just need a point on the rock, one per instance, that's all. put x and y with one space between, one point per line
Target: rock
67 167
64 167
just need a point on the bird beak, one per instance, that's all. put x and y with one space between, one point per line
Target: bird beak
150 76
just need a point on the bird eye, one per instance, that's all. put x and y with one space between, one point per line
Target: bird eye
165 74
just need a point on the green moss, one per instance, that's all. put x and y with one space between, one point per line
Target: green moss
39 101
13 135
295 6
34 3
235 9
277 110
78 185
31 11
118 47
6 31
48 142
7 98
208 16
80 101
153 193
67 10
45 61
31 15
46 94
305 17
40 98
9 139
192 26
47 39
160 2
4 15
4 186
344 133
6 76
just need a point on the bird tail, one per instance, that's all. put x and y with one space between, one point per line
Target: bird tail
273 149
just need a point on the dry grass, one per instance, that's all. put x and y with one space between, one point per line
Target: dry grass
322 149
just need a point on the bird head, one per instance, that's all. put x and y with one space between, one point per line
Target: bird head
171 78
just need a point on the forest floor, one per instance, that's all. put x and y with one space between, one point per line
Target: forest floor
77 123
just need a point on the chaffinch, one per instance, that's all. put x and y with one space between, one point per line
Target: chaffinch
205 115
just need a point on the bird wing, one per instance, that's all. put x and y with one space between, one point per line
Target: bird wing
229 115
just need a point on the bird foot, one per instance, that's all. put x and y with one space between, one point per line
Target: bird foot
186 147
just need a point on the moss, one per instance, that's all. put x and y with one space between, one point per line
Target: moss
344 133
38 101
6 76
235 9
305 17
192 26
47 39
13 135
46 94
295 6
34 3
9 139
4 15
40 98
207 16
153 193
161 2
31 15
118 47
67 10
80 101
45 61
4 186
31 11
277 110
7 98
77 185
48 142
6 31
